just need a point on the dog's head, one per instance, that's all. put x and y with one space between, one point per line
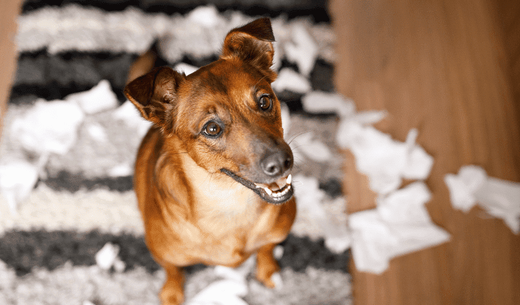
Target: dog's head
226 113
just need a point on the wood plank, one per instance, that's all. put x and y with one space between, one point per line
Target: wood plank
9 11
441 67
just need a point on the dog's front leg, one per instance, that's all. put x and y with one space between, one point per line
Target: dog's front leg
266 265
172 291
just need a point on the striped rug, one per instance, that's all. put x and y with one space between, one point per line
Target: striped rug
83 199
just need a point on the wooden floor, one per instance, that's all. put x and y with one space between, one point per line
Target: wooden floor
9 10
452 70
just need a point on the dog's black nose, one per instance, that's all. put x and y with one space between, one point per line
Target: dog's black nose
276 163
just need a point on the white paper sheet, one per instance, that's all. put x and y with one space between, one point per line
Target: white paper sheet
399 225
324 102
290 80
301 49
464 185
17 180
99 98
107 258
48 127
130 116
185 68
382 159
311 148
309 198
499 198
230 289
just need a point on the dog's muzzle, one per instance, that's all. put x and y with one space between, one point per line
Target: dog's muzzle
277 192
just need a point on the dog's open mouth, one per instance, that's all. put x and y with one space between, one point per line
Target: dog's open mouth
276 193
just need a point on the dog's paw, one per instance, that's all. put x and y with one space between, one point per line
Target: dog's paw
171 296
270 278
274 281
277 281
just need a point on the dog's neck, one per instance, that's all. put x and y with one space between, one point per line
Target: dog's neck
221 190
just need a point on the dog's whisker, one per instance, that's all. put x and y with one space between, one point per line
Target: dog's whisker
258 82
301 133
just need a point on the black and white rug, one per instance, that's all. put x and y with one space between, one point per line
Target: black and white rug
70 139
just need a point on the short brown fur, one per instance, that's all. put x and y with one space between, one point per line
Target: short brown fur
194 210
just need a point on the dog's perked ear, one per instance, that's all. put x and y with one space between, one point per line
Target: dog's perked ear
252 43
155 94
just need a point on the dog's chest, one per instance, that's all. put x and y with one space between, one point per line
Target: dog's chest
222 211
231 220
232 226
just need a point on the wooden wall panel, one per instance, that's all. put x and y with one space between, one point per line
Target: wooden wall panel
442 67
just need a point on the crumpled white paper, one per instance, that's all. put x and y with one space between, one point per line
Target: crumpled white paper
324 102
382 159
229 290
464 186
207 16
399 225
48 127
301 49
97 132
499 198
290 80
99 98
130 116
183 67
312 148
310 199
17 180
107 258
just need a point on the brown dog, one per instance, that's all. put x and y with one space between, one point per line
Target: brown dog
212 176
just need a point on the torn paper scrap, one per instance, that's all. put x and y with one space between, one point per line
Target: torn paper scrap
290 80
97 132
99 98
121 170
207 16
313 149
130 116
376 155
301 49
48 127
499 198
238 274
464 185
399 225
324 102
17 180
107 258
384 160
223 292
230 289
185 68
310 199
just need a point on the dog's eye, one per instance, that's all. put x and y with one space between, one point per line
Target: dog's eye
265 102
212 129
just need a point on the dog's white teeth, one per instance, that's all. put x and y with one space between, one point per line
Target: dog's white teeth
282 193
282 182
268 191
282 185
